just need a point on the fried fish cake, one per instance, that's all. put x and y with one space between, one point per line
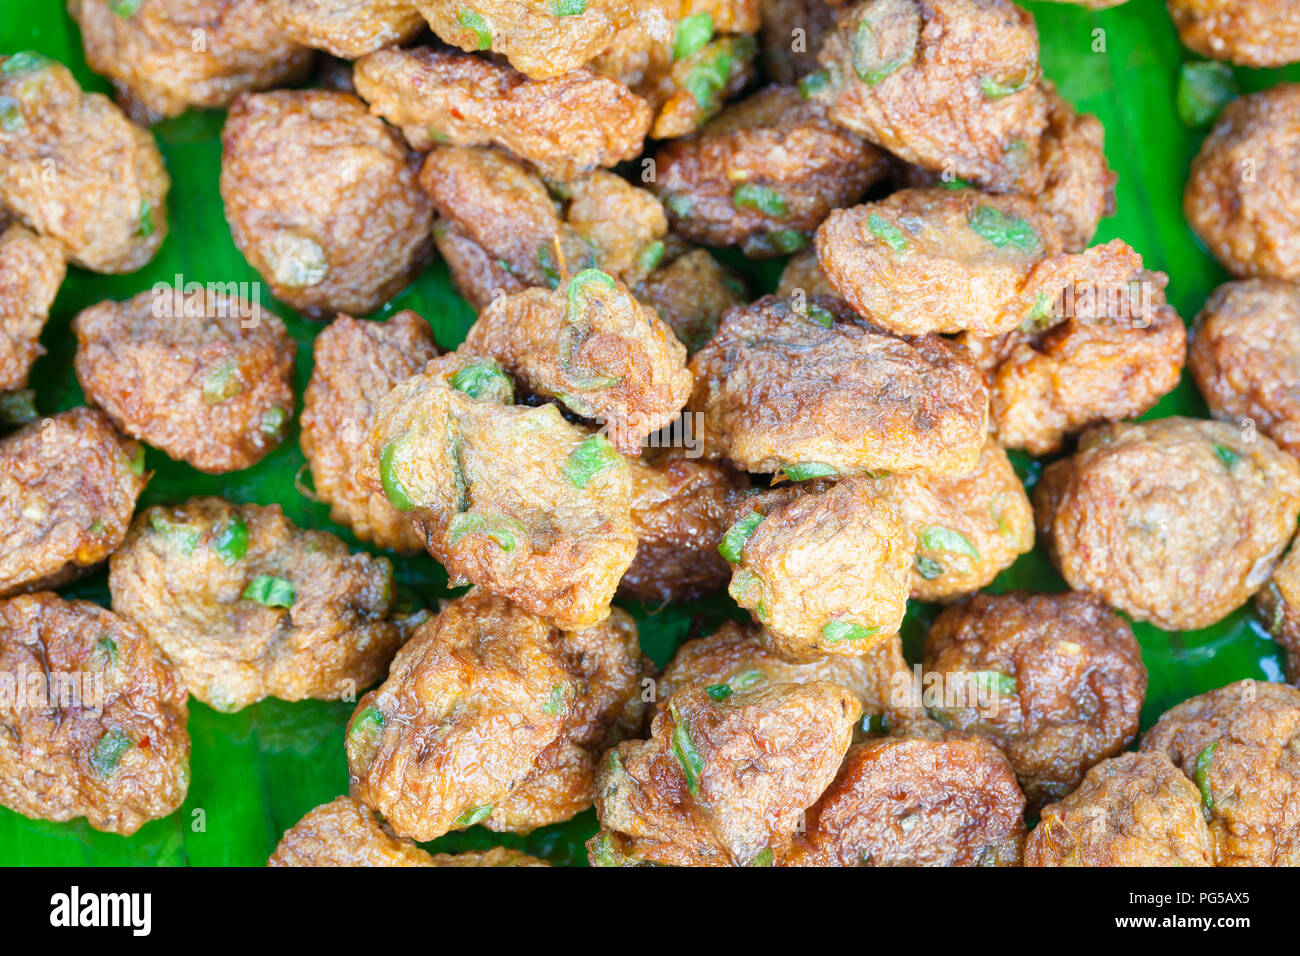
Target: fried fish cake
691 293
348 29
1136 809
1278 603
165 56
1059 682
1245 32
207 378
247 605
31 271
94 717
68 486
1240 745
357 363
322 200
721 782
73 168
565 127
798 385
1174 521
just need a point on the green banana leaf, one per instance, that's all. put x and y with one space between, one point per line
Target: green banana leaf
256 772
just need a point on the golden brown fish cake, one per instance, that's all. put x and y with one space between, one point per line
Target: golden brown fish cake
1245 357
1108 348
565 127
1136 809
344 832
94 714
68 486
950 85
513 498
1240 745
1278 603
1245 32
348 29
1057 681
470 704
322 200
1175 521
764 173
247 605
721 782
595 348
73 168
798 384
31 271
165 56
357 363
208 379
1242 197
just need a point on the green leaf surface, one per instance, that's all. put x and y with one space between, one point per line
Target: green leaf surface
258 771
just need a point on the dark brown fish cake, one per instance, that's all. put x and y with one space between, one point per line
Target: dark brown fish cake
322 200
1245 357
915 801
764 173
565 127
691 293
721 782
1175 521
31 271
792 35
247 605
75 169
1240 745
800 385
165 56
68 486
950 85
357 363
208 379
1055 681
94 717
1136 809
348 29
1241 196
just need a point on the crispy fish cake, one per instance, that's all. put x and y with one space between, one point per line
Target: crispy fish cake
513 498
75 169
734 660
950 85
348 28
1245 32
247 605
691 293
915 801
1245 357
1240 745
792 35
357 363
1278 603
769 164
31 271
1062 680
824 568
94 714
470 704
1136 809
207 379
164 56
322 200
68 486
1108 348
345 832
680 510
595 348
979 262
800 386
500 229
1174 521
609 669
566 126
721 782
967 529
1242 197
